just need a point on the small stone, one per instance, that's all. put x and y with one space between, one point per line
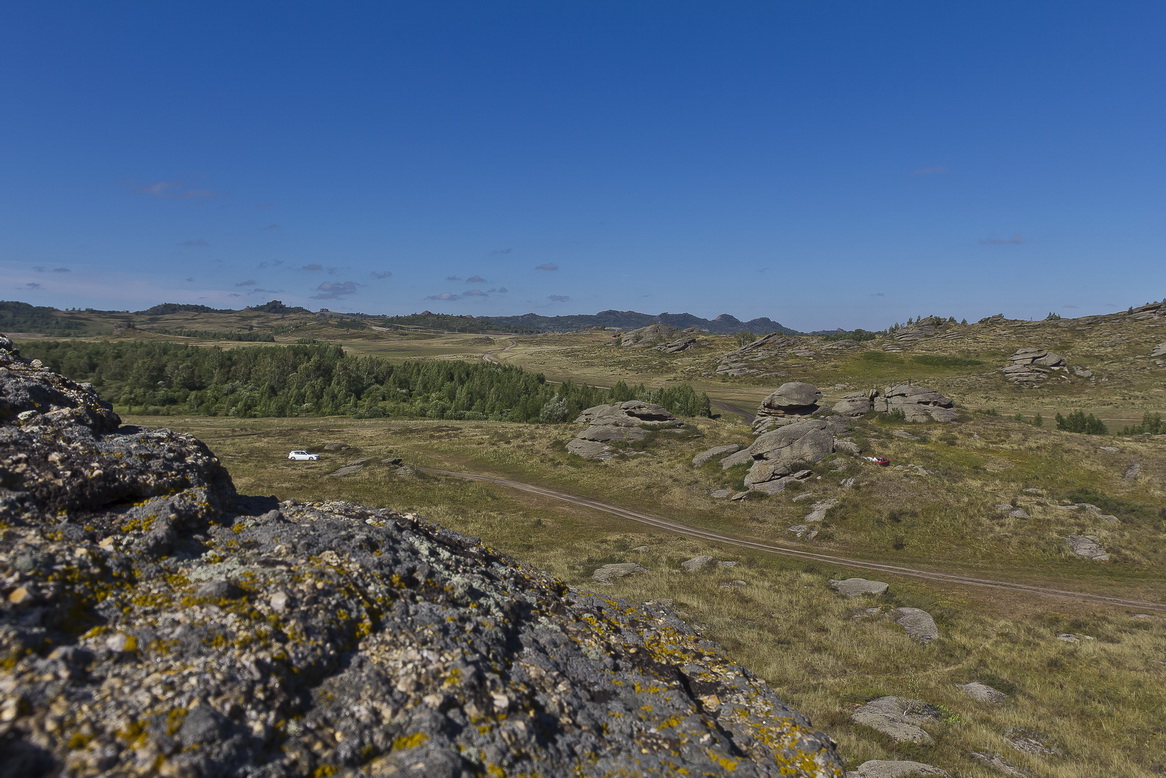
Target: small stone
19 595
983 692
279 601
121 643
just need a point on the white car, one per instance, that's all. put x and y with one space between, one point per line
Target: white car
303 456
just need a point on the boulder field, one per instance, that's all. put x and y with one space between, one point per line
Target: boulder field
155 622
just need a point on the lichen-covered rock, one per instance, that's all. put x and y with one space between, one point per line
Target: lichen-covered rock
157 624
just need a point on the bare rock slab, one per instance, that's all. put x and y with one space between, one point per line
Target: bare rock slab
713 453
883 768
697 563
610 572
999 764
857 587
1087 546
917 623
899 718
590 449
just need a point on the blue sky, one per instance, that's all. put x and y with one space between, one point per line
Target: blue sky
826 164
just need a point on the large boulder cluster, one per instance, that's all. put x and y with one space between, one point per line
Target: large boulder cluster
792 401
660 337
1032 366
916 403
626 422
153 622
738 362
784 454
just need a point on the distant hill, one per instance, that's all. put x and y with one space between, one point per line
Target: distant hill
630 320
22 317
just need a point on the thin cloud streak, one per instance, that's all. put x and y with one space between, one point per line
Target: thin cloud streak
331 291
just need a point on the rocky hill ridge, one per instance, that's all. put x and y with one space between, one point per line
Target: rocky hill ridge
154 622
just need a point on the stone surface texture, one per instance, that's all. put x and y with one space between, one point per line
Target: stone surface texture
884 768
917 623
625 422
156 623
787 449
1087 546
856 587
899 718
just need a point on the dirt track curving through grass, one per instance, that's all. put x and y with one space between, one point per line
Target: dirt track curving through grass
695 532
489 355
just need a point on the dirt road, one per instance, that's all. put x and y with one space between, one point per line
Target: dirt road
861 564
489 355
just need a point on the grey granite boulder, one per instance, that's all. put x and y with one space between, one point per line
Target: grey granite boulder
856 404
790 401
1159 350
1087 546
983 692
624 422
918 403
741 457
610 572
714 452
899 718
787 449
882 768
697 563
630 413
857 587
683 343
917 623
590 449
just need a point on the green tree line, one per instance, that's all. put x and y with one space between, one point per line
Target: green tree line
322 380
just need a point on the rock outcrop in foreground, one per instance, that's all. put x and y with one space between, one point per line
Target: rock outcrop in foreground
155 623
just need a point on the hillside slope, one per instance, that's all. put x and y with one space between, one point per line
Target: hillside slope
155 622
